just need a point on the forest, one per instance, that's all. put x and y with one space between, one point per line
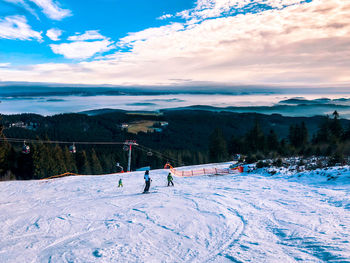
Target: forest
191 137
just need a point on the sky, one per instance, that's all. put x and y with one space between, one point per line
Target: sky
276 43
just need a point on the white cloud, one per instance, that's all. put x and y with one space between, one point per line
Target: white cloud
88 35
82 49
166 16
150 33
16 27
54 34
215 8
303 44
5 65
52 9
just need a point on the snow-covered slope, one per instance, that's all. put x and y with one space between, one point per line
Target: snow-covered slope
251 217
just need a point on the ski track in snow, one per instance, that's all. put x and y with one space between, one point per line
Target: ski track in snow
233 218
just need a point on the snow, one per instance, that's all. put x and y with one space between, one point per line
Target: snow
248 217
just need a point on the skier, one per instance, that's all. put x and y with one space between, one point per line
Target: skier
147 181
120 184
170 180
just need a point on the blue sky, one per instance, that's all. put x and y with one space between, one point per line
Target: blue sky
180 42
112 18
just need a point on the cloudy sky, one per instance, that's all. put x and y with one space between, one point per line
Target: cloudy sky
279 43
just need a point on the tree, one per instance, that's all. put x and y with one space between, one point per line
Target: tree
217 146
255 139
96 167
272 141
83 163
323 134
4 152
335 127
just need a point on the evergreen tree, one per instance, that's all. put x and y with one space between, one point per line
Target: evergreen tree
272 141
323 134
217 146
335 127
255 139
83 163
235 145
96 167
41 168
57 160
4 152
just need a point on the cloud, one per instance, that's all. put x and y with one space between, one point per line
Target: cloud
301 44
82 49
16 27
166 16
5 65
54 34
88 35
150 33
84 45
50 8
215 8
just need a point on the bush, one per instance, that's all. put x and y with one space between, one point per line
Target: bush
336 158
262 164
278 162
251 159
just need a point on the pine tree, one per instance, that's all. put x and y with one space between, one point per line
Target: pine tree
57 160
255 139
217 146
41 168
83 163
272 141
4 152
96 167
323 134
335 127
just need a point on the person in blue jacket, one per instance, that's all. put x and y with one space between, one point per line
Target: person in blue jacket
147 181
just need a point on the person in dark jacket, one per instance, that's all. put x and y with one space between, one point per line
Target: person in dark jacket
170 180
147 181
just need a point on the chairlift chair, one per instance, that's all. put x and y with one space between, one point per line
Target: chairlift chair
25 148
72 148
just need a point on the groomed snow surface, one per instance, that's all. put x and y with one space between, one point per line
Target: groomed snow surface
249 217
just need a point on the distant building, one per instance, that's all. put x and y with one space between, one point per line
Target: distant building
20 124
124 125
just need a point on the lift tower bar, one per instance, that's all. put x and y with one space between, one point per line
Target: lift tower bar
129 144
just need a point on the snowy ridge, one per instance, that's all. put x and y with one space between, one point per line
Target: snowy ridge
245 217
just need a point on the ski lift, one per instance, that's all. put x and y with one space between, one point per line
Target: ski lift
72 148
150 153
25 148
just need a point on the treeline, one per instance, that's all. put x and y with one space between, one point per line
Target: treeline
192 137
331 140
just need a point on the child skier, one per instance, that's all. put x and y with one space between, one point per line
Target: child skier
170 180
120 184
147 181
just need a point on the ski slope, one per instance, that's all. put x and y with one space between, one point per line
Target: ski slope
251 217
